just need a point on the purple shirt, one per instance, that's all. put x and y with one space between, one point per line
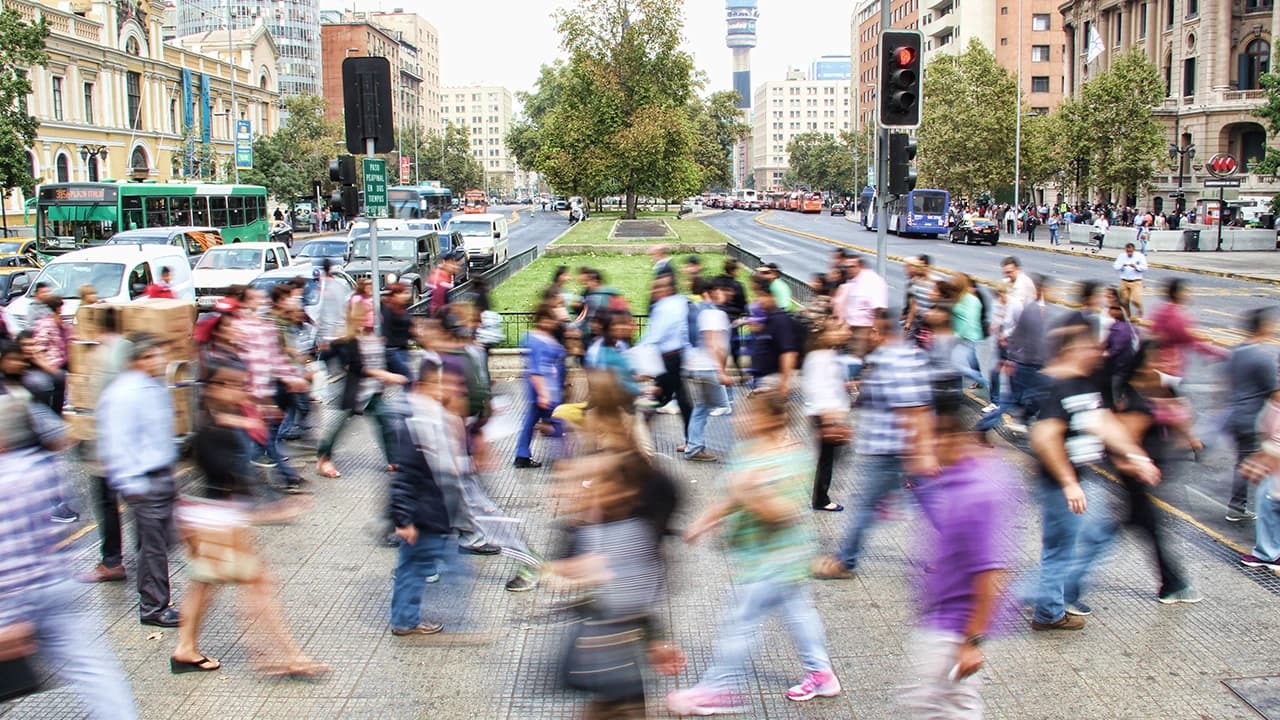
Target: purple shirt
969 506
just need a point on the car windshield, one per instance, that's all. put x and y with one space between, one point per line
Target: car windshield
387 248
10 247
310 290
982 222
324 249
66 278
471 228
131 238
240 258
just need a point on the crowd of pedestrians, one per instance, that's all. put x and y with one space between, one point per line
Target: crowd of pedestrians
841 373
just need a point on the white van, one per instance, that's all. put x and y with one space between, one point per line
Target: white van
360 226
485 237
119 273
237 264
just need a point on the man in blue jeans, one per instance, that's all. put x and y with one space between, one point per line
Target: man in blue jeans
1025 347
1075 430
704 364
895 421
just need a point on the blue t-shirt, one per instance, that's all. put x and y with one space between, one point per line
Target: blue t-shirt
546 359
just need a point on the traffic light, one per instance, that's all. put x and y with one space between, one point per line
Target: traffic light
902 173
343 170
346 200
901 74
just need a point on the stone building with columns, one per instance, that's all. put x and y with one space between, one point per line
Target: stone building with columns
115 101
1210 54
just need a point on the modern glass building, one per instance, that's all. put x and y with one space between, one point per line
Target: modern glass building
294 26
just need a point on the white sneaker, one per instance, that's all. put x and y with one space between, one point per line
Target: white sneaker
989 407
722 410
1016 427
671 408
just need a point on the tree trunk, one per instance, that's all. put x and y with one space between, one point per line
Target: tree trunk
629 213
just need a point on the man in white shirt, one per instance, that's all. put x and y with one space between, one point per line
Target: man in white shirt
857 300
1021 286
704 364
1010 221
1100 228
1131 265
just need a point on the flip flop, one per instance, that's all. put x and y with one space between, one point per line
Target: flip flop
303 670
326 469
204 664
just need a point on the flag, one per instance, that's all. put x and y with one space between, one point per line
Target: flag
1095 45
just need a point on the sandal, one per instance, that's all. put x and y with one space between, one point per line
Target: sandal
204 664
326 468
298 670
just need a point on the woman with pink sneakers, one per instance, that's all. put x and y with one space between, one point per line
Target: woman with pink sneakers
766 526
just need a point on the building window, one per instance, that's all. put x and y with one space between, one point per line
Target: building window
1040 84
1168 74
1039 111
133 88
1168 15
1119 29
57 98
1039 53
1004 10
63 169
1142 20
1254 63
1189 77
1004 42
1193 8
1040 21
1255 5
88 103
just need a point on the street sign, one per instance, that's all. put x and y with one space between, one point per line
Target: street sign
1222 182
244 145
375 187
404 170
1222 165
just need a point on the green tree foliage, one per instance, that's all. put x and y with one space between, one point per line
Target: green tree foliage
1270 113
289 160
1112 127
21 48
966 136
718 128
826 163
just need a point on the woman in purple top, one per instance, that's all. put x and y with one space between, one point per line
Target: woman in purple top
544 377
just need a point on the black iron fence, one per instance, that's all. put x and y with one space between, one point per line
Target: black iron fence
515 325
800 290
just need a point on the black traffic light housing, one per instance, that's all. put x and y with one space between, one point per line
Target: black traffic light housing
366 104
346 200
902 154
343 170
901 78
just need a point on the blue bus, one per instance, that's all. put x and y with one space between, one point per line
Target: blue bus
429 200
920 212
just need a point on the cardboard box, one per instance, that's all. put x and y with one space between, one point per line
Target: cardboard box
80 391
167 319
82 356
82 426
89 319
183 411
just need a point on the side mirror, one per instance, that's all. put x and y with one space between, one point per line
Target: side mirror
497 234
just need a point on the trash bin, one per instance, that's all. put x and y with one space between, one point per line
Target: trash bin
1191 240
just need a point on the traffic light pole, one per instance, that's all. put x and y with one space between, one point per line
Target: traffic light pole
882 166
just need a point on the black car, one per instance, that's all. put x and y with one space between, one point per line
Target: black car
837 209
282 232
976 230
403 257
333 247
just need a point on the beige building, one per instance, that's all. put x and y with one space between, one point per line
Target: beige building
786 108
115 101
486 113
1211 55
416 31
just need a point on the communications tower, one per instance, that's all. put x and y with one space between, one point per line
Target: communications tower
740 21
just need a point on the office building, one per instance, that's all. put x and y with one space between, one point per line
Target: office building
415 30
294 25
485 111
786 108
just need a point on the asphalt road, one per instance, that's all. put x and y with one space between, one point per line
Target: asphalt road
532 228
1197 489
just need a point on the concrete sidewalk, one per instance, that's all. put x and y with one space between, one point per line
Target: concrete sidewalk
1136 658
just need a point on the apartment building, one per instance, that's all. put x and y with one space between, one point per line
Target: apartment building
486 111
786 108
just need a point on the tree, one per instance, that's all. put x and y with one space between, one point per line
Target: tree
1270 113
21 48
1112 127
718 128
290 160
459 170
966 136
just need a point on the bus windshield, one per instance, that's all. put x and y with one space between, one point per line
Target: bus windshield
66 278
930 203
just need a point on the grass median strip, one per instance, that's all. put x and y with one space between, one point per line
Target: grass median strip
595 231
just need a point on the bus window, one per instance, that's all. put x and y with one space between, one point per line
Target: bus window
251 213
235 211
218 212
157 211
262 206
130 212
200 211
180 211
139 279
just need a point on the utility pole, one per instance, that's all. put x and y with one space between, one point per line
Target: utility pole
882 166
1017 123
235 115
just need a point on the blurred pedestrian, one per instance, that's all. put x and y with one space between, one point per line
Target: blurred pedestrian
1132 266
856 302
826 402
1261 468
50 351
395 328
735 307
704 364
1250 374
668 332
162 287
544 380
775 347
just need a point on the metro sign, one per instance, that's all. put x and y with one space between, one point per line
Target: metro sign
1222 165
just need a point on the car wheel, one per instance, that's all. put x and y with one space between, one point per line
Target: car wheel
415 294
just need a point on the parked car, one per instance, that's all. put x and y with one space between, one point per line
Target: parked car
404 257
192 240
237 264
119 274
335 247
484 237
15 280
976 230
360 228
310 291
282 232
14 250
837 209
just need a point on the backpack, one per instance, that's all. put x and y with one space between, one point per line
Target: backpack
985 315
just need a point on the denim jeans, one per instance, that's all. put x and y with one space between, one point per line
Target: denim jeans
67 640
1053 234
1025 388
1266 528
1059 532
297 416
1246 445
398 362
285 470
741 632
708 394
964 356
382 417
533 416
1097 533
413 564
882 474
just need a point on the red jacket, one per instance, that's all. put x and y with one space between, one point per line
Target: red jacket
157 290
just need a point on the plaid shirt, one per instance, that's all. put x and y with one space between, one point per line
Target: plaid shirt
29 558
264 357
50 336
895 377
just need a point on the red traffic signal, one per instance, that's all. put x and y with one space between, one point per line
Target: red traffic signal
901 70
905 56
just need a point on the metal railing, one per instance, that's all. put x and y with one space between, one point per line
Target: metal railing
800 290
494 277
515 325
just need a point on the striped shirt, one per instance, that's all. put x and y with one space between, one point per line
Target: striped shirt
29 558
894 378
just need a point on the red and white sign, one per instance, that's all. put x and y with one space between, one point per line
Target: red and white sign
404 170
1222 165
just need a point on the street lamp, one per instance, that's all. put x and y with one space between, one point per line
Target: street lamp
1181 154
88 151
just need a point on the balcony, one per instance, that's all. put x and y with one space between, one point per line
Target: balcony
941 25
1215 101
60 23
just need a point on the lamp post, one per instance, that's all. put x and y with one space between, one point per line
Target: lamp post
1181 154
88 151
235 114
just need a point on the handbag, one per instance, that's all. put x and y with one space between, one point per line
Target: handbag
603 657
219 541
834 430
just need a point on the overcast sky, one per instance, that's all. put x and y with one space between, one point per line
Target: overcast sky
504 42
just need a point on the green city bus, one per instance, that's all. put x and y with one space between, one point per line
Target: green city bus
71 216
